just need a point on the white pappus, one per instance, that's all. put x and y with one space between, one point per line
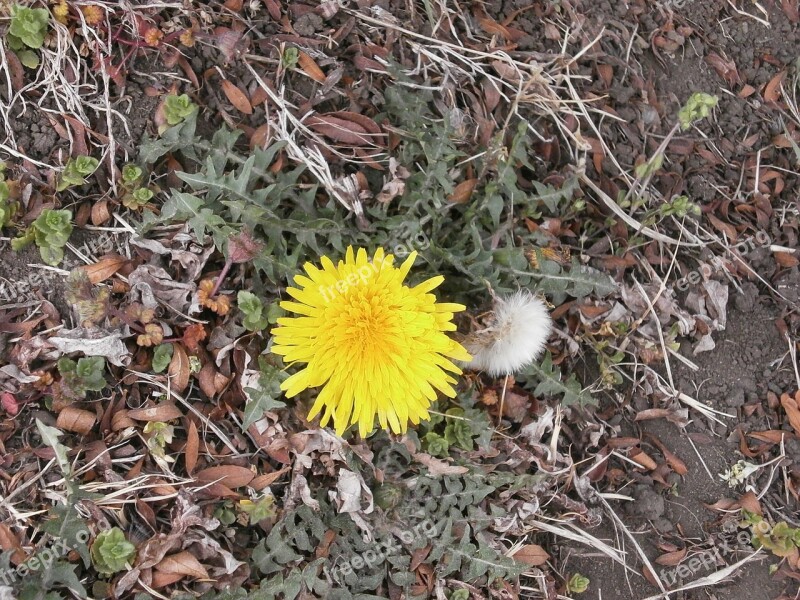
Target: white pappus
515 335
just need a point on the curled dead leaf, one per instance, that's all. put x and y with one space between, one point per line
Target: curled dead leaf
182 563
179 368
76 420
162 413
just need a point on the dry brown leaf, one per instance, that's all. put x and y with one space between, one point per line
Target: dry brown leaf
262 481
161 580
309 66
531 554
237 97
193 335
228 475
17 72
786 259
192 448
212 382
773 436
724 67
261 136
672 559
183 563
166 411
792 411
104 268
100 213
641 457
672 460
790 9
9 542
772 92
650 576
492 27
463 191
178 369
750 503
726 228
76 420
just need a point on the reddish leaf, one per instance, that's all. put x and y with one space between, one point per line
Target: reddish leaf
531 554
9 403
192 448
237 97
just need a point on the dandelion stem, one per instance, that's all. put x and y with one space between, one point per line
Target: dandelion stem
221 278
502 401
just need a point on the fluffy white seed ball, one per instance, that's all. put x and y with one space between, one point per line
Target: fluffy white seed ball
515 336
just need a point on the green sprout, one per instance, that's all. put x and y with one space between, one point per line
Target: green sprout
577 584
458 430
263 508
76 171
111 552
698 107
131 176
679 206
162 356
50 231
137 198
290 58
158 436
28 27
8 208
177 108
436 445
251 306
85 375
225 513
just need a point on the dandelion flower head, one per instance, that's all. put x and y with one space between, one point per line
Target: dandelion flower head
376 346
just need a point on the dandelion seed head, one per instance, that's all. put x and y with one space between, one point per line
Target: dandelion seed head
515 335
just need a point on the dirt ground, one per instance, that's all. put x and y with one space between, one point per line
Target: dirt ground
642 61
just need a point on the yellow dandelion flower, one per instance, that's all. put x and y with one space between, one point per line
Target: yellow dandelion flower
374 344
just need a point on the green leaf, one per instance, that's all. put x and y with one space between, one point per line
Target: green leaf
50 437
131 175
90 370
263 398
547 379
112 552
162 356
29 25
29 58
75 172
177 108
436 445
253 309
